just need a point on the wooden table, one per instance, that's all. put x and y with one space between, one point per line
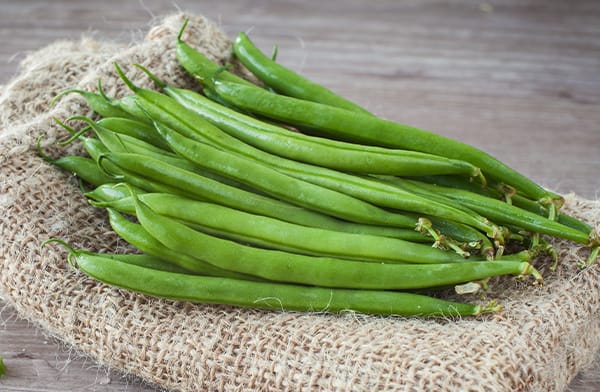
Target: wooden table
519 81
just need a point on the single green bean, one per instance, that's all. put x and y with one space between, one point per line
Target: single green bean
197 64
319 271
356 127
134 128
2 367
137 236
83 168
109 195
272 233
266 295
283 80
98 102
119 197
143 260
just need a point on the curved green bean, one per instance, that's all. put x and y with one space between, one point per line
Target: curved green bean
355 127
283 80
319 271
136 235
267 295
272 233
120 198
98 102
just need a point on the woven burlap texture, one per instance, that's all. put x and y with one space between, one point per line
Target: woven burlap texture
539 342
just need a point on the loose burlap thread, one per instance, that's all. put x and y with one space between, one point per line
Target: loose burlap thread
539 342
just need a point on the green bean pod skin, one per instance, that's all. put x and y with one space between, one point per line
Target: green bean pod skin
83 168
318 271
143 260
267 295
134 128
284 80
272 233
99 103
137 236
119 197
356 127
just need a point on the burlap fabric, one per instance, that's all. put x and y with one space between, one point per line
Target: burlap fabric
538 343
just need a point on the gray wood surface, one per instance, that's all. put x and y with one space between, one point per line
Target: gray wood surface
519 79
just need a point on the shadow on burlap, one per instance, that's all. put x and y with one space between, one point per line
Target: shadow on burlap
539 342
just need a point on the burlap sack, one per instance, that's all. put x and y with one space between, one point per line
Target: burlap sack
538 343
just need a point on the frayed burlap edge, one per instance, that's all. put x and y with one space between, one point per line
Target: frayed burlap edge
539 342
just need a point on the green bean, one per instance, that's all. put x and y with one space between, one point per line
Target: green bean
284 80
98 102
211 190
516 199
112 193
272 233
118 197
134 128
143 260
196 111
84 168
304 193
319 271
355 127
266 295
509 214
137 236
197 64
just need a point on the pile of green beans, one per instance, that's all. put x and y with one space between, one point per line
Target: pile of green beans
286 196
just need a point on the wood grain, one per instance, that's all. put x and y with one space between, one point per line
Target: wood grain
518 79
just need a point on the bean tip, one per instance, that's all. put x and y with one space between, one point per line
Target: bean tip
124 77
180 33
